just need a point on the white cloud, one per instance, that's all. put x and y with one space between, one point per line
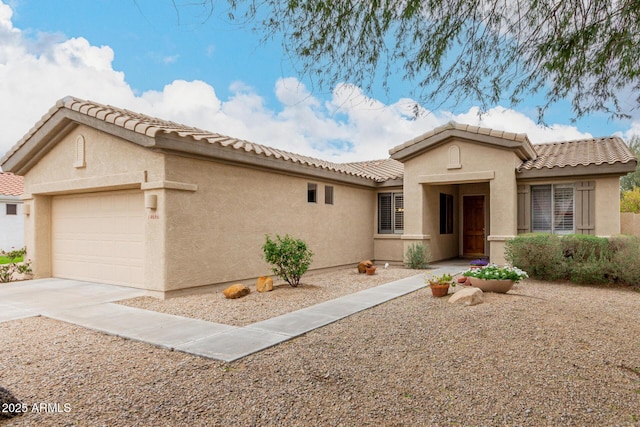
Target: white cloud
350 126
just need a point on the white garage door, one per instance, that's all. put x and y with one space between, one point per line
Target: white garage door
99 237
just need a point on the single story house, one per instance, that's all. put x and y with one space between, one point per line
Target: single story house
11 218
119 197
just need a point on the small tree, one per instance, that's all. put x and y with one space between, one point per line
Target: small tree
630 201
290 258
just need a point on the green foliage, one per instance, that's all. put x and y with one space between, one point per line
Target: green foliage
632 180
579 258
290 258
490 51
443 279
540 255
630 201
13 265
417 256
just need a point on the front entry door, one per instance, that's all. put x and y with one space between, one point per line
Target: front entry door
473 225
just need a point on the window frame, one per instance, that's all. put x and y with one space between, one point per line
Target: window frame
446 213
328 194
8 209
555 223
312 192
393 214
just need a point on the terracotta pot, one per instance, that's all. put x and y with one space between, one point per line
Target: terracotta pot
438 290
371 270
500 286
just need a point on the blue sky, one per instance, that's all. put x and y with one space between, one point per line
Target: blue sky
206 72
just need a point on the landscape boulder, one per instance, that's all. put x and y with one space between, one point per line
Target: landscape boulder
264 284
236 291
362 267
468 296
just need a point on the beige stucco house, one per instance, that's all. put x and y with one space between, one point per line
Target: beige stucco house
118 197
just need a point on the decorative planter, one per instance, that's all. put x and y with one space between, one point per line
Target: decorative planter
438 290
500 286
371 270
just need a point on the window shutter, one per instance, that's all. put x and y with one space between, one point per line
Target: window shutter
586 207
524 209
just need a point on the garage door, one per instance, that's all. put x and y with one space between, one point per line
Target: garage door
99 237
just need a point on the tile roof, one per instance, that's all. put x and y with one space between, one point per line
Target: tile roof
153 127
450 126
10 184
583 152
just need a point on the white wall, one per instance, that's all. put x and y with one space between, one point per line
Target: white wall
11 226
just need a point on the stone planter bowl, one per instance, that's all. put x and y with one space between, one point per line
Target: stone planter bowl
500 286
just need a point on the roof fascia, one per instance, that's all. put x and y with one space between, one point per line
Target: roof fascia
579 170
524 150
207 151
59 125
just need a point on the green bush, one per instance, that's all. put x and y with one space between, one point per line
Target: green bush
540 255
13 264
624 267
417 256
579 258
290 258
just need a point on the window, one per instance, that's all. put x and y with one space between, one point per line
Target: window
390 213
312 193
328 194
12 209
446 213
552 208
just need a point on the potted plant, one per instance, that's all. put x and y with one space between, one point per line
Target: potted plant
440 284
371 270
493 278
478 263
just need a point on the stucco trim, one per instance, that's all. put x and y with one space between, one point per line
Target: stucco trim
169 185
578 171
497 238
461 177
102 183
415 237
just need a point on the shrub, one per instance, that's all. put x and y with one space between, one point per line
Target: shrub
624 267
417 256
290 258
13 266
540 255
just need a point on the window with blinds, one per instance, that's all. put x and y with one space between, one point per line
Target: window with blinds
390 213
552 208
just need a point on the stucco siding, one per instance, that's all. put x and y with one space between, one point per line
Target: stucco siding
11 226
216 233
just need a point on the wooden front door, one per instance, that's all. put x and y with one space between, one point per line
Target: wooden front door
473 225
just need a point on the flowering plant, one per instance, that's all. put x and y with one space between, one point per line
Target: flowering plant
479 262
494 272
444 279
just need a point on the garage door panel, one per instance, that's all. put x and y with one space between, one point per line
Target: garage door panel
99 237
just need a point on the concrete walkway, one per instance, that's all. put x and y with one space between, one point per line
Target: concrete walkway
91 305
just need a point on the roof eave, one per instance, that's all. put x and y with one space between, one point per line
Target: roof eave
602 169
523 149
54 127
171 144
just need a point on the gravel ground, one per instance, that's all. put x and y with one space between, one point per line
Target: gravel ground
545 354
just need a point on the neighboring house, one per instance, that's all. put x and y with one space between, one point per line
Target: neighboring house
11 218
120 197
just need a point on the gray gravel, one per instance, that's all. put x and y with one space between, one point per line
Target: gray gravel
543 355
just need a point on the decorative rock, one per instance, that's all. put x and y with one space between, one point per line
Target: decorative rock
468 296
362 267
236 291
264 284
